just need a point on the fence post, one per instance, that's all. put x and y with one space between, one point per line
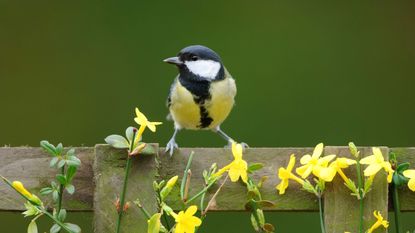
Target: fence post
342 209
109 173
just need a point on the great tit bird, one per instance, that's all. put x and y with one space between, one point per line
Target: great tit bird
202 95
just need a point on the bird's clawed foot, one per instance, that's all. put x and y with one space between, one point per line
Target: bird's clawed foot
171 146
243 144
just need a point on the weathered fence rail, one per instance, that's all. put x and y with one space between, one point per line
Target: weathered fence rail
100 177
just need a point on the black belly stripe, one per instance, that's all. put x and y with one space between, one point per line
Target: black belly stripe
205 119
200 91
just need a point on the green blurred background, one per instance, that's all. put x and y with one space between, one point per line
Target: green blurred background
73 71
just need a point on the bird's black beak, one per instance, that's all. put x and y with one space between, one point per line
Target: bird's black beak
173 60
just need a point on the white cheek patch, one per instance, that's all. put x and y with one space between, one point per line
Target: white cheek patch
204 68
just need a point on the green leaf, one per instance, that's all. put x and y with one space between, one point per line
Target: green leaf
117 141
148 150
265 204
154 224
55 196
261 217
268 227
31 210
73 161
70 173
62 215
392 157
61 178
55 228
395 179
61 163
59 149
254 223
72 227
32 228
399 179
402 167
46 191
129 132
70 189
71 152
54 161
48 147
262 181
251 194
254 167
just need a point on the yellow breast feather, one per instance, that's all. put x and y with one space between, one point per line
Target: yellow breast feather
222 100
184 110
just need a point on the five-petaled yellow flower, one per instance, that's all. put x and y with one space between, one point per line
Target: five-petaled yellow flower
285 175
380 222
185 221
142 120
411 175
22 190
313 163
377 162
238 167
337 166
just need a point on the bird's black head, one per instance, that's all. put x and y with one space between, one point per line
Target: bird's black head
198 62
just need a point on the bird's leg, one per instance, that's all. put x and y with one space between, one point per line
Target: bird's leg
172 145
224 135
227 138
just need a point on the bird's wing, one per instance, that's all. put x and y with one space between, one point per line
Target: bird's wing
233 88
168 101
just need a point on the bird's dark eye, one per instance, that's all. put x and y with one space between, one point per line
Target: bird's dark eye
194 58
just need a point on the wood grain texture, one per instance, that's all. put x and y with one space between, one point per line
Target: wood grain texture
342 209
109 174
31 166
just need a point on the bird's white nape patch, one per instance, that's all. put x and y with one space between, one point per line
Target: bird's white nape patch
204 68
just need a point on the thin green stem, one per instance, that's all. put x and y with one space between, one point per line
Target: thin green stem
320 208
185 174
201 192
124 188
202 201
361 201
143 210
164 215
63 226
60 197
397 208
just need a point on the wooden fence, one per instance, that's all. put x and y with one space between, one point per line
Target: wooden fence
100 177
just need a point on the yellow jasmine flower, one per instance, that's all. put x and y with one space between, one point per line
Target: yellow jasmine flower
172 181
238 167
22 190
285 175
168 187
327 174
313 163
142 120
185 221
411 175
377 162
378 223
